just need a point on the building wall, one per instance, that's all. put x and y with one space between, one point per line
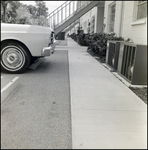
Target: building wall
93 13
98 14
124 24
85 19
117 16
131 29
99 19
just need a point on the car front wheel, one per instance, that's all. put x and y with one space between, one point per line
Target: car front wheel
14 58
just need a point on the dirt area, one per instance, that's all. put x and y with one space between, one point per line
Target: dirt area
140 92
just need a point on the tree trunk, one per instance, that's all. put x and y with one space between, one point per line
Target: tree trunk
4 5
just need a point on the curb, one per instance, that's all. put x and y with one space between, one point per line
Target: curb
36 63
121 78
7 90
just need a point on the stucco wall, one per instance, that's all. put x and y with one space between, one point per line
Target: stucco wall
137 32
89 15
123 22
100 19
99 16
83 19
118 16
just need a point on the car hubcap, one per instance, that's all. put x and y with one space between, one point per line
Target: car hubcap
13 58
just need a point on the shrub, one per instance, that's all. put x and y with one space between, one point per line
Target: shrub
96 42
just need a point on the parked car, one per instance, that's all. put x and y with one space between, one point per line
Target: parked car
22 44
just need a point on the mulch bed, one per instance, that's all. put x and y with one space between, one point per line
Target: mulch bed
140 92
101 59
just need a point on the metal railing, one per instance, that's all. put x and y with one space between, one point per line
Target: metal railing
64 12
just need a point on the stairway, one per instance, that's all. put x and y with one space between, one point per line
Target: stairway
71 26
67 13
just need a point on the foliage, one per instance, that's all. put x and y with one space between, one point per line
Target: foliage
41 9
83 39
16 12
42 20
32 10
23 16
73 36
9 10
3 11
12 11
96 42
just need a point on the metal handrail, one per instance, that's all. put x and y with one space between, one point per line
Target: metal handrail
58 8
55 20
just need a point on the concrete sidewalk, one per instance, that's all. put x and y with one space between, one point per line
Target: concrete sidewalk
105 113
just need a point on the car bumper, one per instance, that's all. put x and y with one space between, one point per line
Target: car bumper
47 51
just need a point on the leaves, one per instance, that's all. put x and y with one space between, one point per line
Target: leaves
41 9
8 10
23 15
96 42
16 12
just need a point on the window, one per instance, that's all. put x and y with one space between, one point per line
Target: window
141 9
139 13
88 27
85 24
92 24
111 23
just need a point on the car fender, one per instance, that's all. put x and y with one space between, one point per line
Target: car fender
32 36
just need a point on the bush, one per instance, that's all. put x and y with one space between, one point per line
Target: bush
96 42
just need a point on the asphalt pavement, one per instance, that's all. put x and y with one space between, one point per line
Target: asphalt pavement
38 114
